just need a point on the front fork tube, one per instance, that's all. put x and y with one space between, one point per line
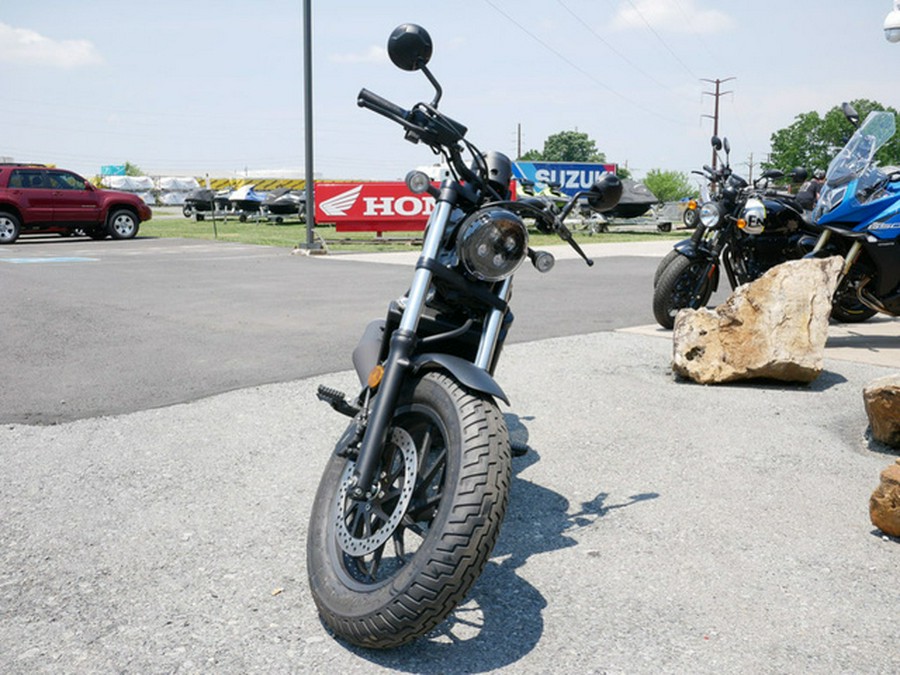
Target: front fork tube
705 278
403 342
851 258
823 241
490 336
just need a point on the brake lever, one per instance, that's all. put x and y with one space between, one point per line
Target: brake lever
567 237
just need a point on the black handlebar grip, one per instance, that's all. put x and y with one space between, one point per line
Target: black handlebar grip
367 99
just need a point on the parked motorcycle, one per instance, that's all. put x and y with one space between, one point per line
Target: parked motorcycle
412 498
859 209
744 229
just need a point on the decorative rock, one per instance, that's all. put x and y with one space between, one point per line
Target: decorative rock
774 327
882 400
884 505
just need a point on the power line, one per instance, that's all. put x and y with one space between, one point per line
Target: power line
581 70
696 36
659 37
611 47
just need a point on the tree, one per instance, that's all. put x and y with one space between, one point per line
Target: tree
566 146
811 141
133 169
669 186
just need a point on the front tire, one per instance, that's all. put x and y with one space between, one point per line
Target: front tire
846 306
10 227
675 289
663 264
122 224
381 577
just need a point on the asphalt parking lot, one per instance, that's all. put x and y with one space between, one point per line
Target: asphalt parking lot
656 525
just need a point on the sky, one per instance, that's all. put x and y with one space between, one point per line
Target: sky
203 87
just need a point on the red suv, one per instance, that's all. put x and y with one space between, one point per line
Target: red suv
38 199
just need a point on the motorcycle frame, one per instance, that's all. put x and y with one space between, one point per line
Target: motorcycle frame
401 361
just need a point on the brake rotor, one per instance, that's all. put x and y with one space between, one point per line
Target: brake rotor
360 546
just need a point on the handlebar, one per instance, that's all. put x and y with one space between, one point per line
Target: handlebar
372 101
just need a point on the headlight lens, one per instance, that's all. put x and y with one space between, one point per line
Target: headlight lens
492 243
828 201
710 215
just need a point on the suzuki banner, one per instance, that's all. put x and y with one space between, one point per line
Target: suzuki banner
368 207
571 176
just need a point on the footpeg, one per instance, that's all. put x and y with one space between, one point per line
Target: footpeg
337 400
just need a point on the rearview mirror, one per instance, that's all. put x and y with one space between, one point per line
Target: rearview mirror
605 192
409 46
716 142
850 113
799 174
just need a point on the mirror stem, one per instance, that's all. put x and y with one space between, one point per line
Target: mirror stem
438 92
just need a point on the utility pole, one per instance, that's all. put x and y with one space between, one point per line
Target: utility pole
518 140
715 116
750 165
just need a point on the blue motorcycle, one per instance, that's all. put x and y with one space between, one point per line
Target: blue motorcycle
859 211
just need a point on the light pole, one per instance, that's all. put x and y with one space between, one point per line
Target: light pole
309 244
892 24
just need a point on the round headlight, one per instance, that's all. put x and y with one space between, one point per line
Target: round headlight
711 215
753 217
492 243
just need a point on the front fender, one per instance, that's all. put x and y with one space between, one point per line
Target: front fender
466 372
691 249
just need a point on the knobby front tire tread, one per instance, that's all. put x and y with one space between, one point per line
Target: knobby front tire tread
456 549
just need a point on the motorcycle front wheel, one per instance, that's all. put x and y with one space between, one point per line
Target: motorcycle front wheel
386 570
846 306
675 288
663 264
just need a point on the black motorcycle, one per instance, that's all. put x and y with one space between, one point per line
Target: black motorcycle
411 501
744 229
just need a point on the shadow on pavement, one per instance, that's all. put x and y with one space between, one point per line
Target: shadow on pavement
501 619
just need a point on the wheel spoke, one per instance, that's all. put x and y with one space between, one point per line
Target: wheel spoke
427 476
376 563
399 547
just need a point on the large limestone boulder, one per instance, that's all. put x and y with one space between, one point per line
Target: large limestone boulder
882 401
775 327
884 505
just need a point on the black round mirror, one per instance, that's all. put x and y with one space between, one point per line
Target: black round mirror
850 113
716 142
409 46
605 192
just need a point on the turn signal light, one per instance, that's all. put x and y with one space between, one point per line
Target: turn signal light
692 204
375 376
741 223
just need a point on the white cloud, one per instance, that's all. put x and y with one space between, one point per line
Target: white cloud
372 55
683 16
26 47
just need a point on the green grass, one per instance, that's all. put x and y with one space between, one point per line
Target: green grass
290 234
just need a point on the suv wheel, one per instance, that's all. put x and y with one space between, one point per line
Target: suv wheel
9 228
122 224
